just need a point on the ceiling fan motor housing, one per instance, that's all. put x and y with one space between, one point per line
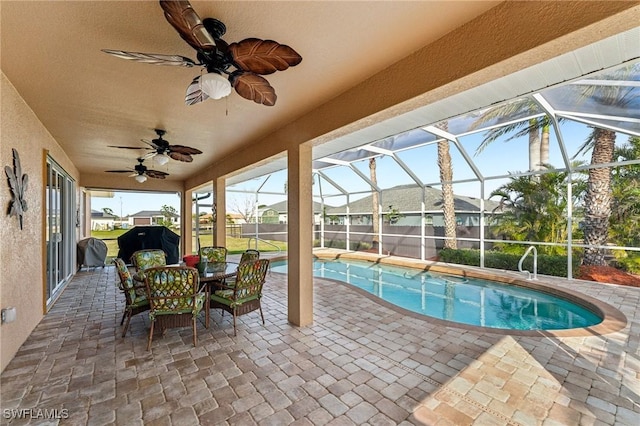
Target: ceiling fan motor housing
216 28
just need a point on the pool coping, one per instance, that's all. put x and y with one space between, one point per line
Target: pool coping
613 320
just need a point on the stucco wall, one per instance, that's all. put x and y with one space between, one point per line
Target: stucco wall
21 258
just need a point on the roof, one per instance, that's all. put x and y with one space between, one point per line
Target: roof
407 198
152 213
96 214
282 207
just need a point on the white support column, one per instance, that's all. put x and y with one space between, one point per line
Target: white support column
220 203
300 236
186 222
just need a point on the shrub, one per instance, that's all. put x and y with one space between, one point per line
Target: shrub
629 262
547 264
341 244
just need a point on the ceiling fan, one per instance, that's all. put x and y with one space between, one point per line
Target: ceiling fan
243 63
141 172
161 150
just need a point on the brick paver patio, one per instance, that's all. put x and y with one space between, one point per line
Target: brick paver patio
359 363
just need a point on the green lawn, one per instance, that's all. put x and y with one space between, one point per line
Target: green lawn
234 245
238 245
108 235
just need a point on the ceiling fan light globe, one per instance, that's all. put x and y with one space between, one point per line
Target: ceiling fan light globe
141 178
215 85
161 159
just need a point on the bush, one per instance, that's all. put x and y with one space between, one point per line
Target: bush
547 264
341 244
629 262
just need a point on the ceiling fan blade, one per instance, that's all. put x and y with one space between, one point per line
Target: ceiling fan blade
253 87
184 149
152 144
118 171
195 94
186 21
149 155
178 156
263 56
127 147
156 174
152 58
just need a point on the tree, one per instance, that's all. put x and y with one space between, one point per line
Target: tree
375 203
446 177
168 212
624 222
537 129
598 200
535 210
393 215
246 208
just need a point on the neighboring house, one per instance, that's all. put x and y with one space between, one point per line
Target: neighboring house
401 205
151 217
101 221
277 213
235 218
206 220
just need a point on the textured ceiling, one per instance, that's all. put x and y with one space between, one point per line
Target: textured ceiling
87 100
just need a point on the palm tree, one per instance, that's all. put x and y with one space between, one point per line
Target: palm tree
535 210
537 129
625 210
375 203
448 203
598 200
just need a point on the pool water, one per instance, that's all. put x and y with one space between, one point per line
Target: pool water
455 298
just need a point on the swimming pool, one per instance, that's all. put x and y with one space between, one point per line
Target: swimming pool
455 298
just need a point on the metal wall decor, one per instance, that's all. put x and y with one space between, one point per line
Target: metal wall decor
18 184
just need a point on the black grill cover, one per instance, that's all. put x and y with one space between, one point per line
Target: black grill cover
149 237
91 252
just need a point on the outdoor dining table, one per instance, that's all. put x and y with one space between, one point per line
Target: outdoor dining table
216 273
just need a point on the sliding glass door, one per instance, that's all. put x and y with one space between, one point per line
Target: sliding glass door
60 229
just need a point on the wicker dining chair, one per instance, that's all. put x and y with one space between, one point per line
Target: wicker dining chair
249 255
145 259
213 254
175 298
135 295
245 295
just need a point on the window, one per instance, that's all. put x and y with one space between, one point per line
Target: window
60 229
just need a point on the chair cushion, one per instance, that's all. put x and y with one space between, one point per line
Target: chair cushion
227 294
148 259
139 301
230 302
179 306
214 254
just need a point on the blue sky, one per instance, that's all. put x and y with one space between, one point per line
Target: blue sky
499 158
126 203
